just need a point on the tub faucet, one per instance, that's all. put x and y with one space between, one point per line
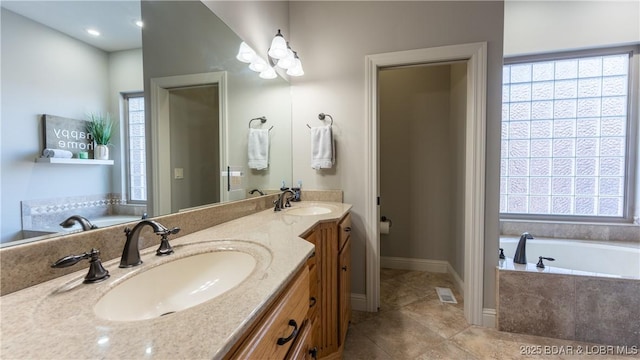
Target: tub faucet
83 221
283 201
256 191
131 251
521 253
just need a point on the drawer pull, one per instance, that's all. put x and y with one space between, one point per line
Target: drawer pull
282 341
347 229
312 302
313 352
344 268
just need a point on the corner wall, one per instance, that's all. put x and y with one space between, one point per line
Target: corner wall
333 52
45 72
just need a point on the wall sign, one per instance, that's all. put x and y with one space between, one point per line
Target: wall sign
66 134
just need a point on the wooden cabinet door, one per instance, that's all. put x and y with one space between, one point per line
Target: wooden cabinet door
345 290
344 231
273 336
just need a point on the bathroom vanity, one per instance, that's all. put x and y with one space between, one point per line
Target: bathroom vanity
294 304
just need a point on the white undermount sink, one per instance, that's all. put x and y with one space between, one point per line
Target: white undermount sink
175 286
309 210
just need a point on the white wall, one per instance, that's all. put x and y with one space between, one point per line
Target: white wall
532 27
333 40
45 72
125 76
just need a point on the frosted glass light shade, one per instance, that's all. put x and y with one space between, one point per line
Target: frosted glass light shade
245 53
288 61
270 73
296 70
278 49
258 64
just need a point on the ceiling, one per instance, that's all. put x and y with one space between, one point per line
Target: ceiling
115 19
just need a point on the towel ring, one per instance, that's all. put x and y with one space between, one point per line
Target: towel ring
263 119
322 116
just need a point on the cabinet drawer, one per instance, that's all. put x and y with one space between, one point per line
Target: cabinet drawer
273 336
304 349
344 231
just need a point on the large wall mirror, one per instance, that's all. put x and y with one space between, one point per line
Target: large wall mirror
50 65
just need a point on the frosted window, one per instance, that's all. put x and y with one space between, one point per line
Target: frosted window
136 152
564 138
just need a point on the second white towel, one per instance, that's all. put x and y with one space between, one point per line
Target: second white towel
322 151
258 149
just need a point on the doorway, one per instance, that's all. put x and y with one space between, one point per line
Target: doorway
193 101
195 142
474 56
422 114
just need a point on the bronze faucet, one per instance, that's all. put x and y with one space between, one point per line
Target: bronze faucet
131 251
83 221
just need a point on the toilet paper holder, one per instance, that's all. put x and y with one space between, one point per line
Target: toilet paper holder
384 218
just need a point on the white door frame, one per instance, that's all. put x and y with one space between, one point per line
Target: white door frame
160 144
475 55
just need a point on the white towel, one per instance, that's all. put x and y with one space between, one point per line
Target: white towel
322 150
258 149
57 153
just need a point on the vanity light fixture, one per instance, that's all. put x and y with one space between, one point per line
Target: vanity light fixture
278 49
139 23
245 53
93 32
258 64
296 69
279 55
269 73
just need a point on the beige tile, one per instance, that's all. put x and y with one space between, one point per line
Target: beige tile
446 350
527 304
395 294
399 335
361 316
359 347
444 319
610 303
387 274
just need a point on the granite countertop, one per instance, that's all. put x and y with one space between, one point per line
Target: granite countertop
56 320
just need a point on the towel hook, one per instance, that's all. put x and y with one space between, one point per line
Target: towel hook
263 119
322 116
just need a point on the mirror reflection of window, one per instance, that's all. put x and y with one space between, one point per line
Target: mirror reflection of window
135 150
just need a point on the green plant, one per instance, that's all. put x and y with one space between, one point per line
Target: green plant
100 127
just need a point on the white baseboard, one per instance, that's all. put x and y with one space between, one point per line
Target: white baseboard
457 281
437 266
358 302
489 317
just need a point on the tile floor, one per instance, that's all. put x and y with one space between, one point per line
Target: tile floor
413 324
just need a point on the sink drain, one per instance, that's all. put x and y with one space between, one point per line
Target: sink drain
167 313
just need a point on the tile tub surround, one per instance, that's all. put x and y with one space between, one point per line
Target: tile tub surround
28 264
582 308
572 230
56 317
44 215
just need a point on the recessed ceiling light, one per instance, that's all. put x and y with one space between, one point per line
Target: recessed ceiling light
139 23
93 32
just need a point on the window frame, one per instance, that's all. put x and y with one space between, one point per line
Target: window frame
631 183
127 155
